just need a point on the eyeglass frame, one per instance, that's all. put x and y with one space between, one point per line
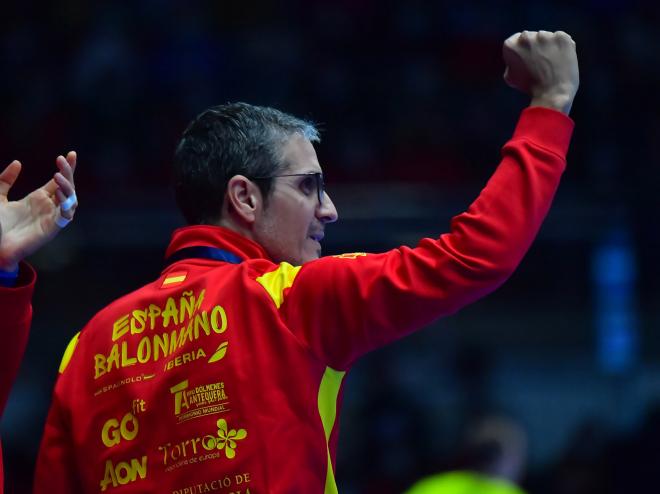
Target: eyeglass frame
320 183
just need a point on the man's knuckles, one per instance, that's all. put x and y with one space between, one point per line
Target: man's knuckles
564 38
545 37
511 41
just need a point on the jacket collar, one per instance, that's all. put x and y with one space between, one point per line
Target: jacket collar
215 236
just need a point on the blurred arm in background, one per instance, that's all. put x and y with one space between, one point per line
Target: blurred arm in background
25 226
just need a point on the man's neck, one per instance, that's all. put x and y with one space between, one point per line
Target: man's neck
231 224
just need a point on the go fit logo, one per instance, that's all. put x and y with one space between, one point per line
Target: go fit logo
113 432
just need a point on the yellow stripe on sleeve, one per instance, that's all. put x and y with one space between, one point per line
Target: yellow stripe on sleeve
327 403
68 353
275 282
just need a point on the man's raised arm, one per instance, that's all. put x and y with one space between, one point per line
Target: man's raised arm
356 303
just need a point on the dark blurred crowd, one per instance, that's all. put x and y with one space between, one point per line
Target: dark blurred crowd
401 442
404 92
398 87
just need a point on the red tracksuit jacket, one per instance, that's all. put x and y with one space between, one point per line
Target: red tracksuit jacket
225 373
15 322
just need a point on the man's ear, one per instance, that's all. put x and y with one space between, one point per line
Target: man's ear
243 198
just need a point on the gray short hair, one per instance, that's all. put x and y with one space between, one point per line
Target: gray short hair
228 140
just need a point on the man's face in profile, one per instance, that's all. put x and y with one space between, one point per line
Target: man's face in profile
292 225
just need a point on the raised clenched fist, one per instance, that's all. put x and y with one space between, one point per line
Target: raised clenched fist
543 65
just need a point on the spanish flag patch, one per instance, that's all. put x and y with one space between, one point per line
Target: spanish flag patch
175 278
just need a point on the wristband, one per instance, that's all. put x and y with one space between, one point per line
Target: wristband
8 278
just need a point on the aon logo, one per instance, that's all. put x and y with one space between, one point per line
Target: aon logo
123 472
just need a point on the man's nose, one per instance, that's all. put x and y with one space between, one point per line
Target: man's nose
327 213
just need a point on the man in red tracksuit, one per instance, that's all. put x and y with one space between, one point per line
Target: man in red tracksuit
225 374
26 225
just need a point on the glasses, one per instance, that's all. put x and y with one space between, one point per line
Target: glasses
319 184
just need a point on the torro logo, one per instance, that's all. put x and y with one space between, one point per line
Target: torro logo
186 452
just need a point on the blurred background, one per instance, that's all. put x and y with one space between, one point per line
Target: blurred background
413 111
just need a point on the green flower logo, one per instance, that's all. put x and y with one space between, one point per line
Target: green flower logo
228 438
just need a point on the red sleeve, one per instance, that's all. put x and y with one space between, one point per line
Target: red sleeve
16 313
342 307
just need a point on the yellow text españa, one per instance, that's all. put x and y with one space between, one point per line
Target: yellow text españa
150 333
